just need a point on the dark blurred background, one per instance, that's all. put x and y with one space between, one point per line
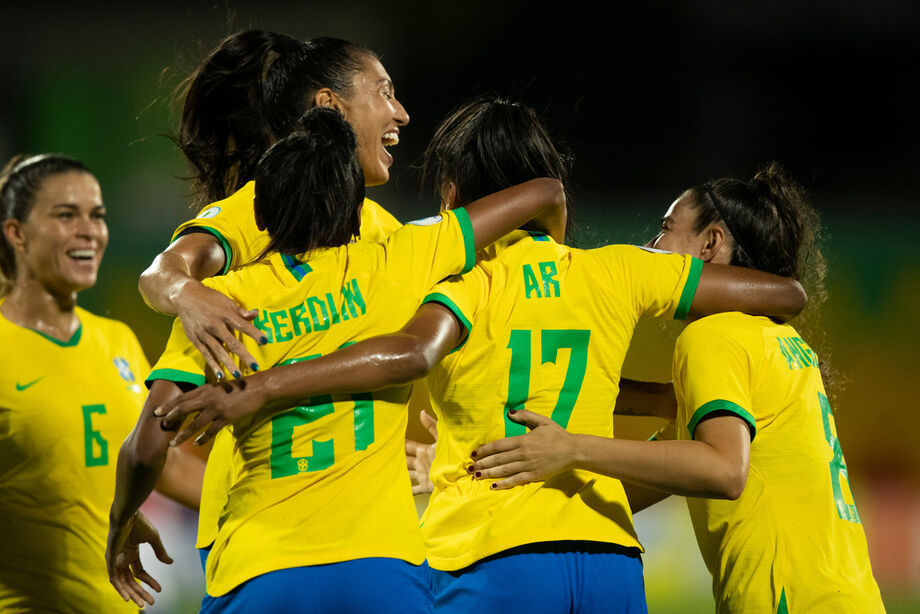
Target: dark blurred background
649 99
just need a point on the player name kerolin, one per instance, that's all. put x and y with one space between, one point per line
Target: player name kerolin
316 313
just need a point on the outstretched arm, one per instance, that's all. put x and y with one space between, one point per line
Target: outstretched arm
714 465
172 285
379 362
541 200
140 468
375 363
724 287
182 477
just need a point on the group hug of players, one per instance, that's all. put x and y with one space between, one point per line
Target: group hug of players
304 313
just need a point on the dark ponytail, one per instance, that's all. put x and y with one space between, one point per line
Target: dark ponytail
773 225
20 180
775 229
249 92
489 144
310 187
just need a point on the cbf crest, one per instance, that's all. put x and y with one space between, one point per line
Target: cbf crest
124 370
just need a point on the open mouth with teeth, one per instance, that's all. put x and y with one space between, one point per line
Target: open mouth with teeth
82 254
390 138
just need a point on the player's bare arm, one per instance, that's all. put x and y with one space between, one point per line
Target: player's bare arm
141 463
724 287
714 465
172 286
372 364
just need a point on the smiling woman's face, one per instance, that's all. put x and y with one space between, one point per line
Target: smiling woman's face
61 241
376 116
677 232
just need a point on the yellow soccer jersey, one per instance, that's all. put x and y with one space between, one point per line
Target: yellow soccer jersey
232 221
325 482
65 408
217 479
793 541
549 327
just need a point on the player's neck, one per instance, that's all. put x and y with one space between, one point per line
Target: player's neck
32 306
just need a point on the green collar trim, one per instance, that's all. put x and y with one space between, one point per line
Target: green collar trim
295 267
74 339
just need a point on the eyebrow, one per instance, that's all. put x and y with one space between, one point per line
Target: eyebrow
73 206
387 82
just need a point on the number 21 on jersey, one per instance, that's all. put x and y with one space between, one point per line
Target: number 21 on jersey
282 460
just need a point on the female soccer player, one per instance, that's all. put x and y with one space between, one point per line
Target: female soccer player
757 452
250 91
68 391
319 516
537 324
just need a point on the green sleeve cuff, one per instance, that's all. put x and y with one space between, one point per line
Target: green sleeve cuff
224 244
686 296
174 375
469 245
721 405
437 297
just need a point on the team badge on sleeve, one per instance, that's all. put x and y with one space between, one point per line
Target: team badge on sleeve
428 221
654 250
209 213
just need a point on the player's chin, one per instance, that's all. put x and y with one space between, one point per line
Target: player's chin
376 175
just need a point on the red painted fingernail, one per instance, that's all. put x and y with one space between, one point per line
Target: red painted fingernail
473 453
493 486
512 411
478 474
469 469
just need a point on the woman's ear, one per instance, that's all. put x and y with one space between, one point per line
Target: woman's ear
715 248
325 97
12 230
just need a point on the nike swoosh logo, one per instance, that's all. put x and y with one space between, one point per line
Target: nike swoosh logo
21 387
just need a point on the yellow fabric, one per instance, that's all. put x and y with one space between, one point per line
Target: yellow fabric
64 412
788 530
576 324
233 222
325 483
214 487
